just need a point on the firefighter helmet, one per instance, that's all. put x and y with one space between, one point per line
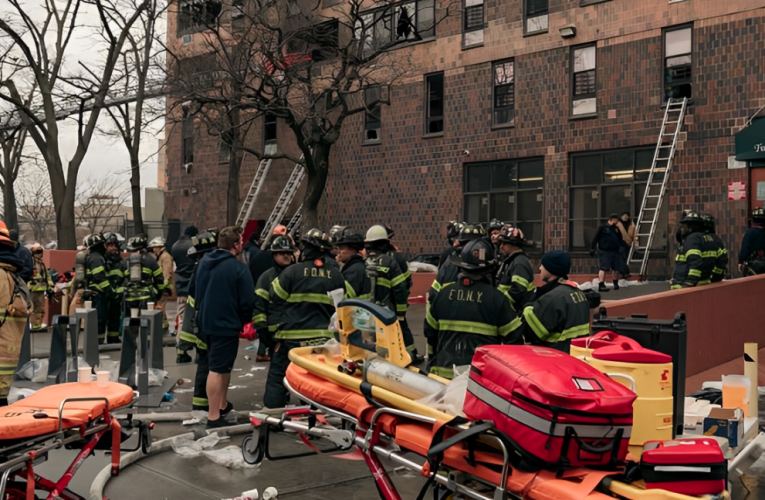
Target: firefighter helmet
390 231
334 232
350 237
758 214
137 242
453 229
203 243
692 218
376 233
93 240
470 232
159 241
111 239
477 256
512 235
709 223
5 235
495 225
315 238
282 244
37 248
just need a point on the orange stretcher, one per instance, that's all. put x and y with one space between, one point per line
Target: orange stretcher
75 415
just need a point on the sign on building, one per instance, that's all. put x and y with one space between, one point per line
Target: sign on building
736 191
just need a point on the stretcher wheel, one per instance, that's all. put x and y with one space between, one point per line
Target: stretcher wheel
251 451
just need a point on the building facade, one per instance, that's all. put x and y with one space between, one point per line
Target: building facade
545 113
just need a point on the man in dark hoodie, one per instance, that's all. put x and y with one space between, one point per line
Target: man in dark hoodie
26 271
258 260
223 292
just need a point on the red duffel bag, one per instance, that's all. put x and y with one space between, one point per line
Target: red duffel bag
559 410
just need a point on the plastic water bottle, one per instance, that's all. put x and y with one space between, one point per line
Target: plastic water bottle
247 495
270 493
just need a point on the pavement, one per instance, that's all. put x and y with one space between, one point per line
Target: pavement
171 476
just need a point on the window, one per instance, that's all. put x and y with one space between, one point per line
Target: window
196 74
269 128
434 118
197 15
583 100
473 23
396 23
324 41
187 141
503 75
508 190
372 117
678 46
224 153
534 16
609 182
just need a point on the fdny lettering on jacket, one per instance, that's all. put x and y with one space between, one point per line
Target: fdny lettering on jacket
317 273
465 295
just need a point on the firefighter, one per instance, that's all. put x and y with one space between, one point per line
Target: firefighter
448 272
349 244
265 316
190 336
751 257
453 229
98 289
404 266
469 313
495 226
165 261
334 231
697 253
144 280
721 253
15 303
116 275
515 276
304 310
560 311
79 280
41 288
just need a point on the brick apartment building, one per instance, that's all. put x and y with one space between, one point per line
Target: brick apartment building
545 113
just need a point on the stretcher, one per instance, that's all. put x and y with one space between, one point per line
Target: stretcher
455 456
73 416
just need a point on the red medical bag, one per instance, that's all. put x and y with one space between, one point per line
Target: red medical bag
556 408
687 466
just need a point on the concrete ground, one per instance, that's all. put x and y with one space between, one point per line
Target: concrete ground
170 476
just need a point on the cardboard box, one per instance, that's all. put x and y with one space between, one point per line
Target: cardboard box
726 423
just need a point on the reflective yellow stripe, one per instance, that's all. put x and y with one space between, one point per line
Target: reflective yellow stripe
521 281
692 251
467 327
695 272
675 287
188 337
304 334
158 272
680 258
504 289
575 331
398 279
273 328
97 270
263 294
717 270
510 327
199 402
383 282
704 282
315 298
442 371
401 308
259 318
710 254
436 286
279 290
722 252
365 296
201 345
536 326
433 322
349 291
190 302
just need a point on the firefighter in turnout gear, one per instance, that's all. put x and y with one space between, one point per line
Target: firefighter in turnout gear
79 281
165 261
449 271
41 288
560 311
15 304
304 310
751 257
453 229
116 275
98 289
515 276
349 244
495 227
144 280
265 316
697 254
191 337
469 313
404 266
721 263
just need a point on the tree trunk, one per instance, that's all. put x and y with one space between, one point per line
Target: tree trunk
316 181
10 211
232 191
135 191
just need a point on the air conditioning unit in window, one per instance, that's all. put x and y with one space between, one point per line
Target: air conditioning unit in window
372 134
186 39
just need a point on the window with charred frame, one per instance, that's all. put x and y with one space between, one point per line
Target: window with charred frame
197 15
503 92
373 114
396 23
196 74
583 83
269 128
324 44
187 140
434 105
678 58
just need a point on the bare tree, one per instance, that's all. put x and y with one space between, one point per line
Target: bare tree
35 204
308 66
42 45
100 203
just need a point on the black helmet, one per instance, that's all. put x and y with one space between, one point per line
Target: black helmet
93 240
203 243
512 235
758 214
282 244
391 232
137 242
453 228
709 223
351 237
334 231
316 238
692 218
111 239
495 224
470 232
476 255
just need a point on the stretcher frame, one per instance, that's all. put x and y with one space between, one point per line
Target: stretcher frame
23 456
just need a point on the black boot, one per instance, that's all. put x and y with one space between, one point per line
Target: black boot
616 285
602 287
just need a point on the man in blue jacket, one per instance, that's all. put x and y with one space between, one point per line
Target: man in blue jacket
224 301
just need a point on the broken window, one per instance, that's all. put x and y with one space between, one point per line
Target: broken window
197 15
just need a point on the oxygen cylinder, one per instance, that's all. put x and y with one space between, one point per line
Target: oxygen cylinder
135 267
402 381
79 268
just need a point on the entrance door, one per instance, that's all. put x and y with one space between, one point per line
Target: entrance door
757 189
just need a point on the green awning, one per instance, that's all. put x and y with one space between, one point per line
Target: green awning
750 142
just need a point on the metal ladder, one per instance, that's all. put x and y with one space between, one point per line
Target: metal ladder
283 203
254 191
294 223
658 178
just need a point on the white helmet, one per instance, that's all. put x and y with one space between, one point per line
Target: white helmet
159 241
376 233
